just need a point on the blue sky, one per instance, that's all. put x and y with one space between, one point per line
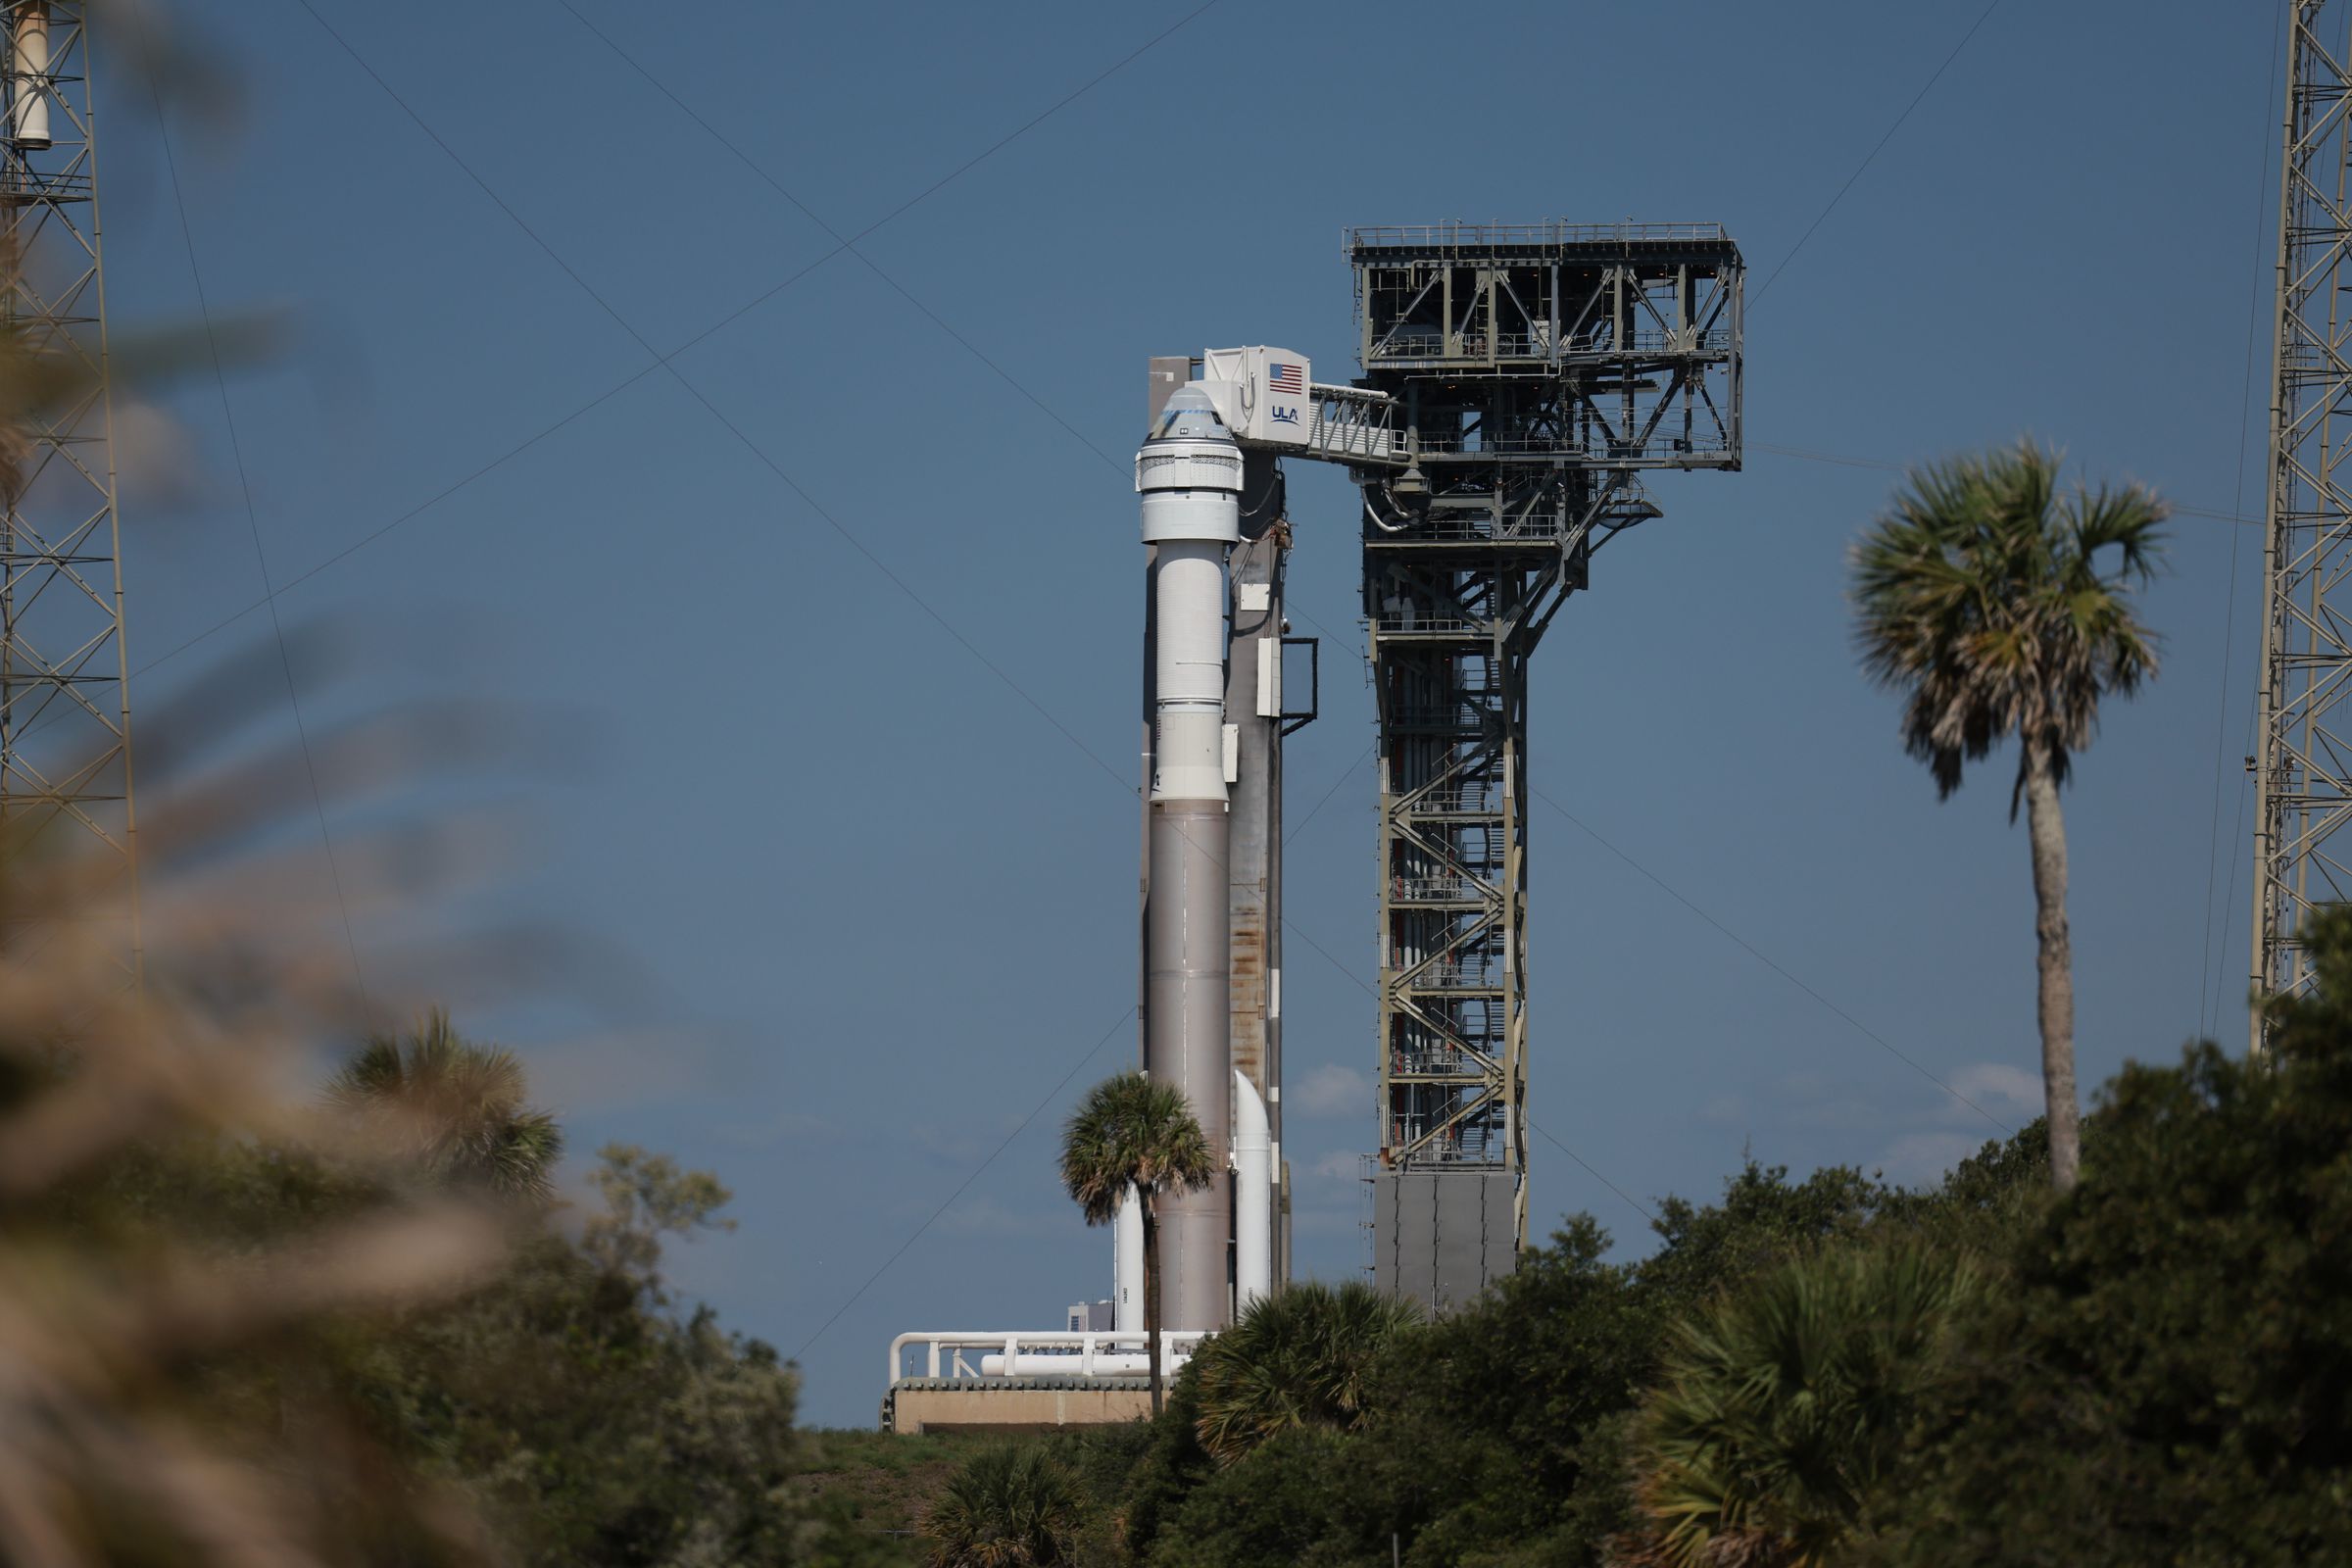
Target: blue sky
882 892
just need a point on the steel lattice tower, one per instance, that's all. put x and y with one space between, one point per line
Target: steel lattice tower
1535 372
65 710
2302 765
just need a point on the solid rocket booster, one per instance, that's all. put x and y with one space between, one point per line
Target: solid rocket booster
1189 472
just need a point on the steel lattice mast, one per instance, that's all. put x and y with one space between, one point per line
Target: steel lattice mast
2302 765
1531 373
65 710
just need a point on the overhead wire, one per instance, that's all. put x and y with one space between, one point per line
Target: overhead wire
2208 982
253 524
1872 156
965 1185
624 383
1766 959
669 364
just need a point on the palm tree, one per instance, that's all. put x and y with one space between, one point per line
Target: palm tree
1300 1358
2002 606
1008 1507
454 1108
1131 1133
1784 1407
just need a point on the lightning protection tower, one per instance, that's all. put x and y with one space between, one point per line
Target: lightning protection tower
1535 374
65 710
2303 764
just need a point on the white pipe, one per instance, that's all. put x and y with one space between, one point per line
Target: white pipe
1127 1265
1252 1197
1099 1365
30 67
948 1353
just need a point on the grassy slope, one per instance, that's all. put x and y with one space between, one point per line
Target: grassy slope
886 1481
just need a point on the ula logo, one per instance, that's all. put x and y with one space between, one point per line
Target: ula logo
1283 415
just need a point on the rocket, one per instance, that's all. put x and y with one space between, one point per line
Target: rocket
1188 473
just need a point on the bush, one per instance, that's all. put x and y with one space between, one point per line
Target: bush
1008 1507
1782 1409
2166 1375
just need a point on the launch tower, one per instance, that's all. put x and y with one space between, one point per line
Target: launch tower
65 710
2302 769
1532 373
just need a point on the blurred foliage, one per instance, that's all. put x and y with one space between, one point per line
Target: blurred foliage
243 1329
454 1108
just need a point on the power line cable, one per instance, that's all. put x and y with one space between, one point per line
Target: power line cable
1847 460
1345 774
1917 99
253 524
1635 1203
965 1185
842 243
2238 497
1761 958
848 535
631 379
961 170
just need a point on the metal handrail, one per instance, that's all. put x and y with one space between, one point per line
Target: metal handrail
1086 1351
1400 622
1553 233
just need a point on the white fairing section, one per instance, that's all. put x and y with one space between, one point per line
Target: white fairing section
1188 671
29 66
1252 1197
1190 475
1127 1266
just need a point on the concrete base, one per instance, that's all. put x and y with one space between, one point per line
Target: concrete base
1440 1237
1012 1404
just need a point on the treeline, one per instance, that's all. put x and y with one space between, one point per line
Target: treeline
242 1326
2155 1369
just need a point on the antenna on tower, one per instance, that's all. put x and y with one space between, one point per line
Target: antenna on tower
65 703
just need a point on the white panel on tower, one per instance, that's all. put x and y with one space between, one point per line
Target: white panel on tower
1269 400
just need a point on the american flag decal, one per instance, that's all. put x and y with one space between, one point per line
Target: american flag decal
1290 378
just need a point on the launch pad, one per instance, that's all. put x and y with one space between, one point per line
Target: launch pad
1518 382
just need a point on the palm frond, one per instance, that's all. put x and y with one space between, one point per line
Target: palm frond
1784 1404
1302 1357
1984 596
1132 1131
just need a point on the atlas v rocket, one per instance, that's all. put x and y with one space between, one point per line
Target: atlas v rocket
1217 1244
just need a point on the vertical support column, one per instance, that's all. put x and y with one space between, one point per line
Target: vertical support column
1254 710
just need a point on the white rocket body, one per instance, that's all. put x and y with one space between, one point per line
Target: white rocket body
1188 473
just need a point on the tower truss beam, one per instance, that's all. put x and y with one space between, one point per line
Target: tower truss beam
2303 754
1525 378
65 708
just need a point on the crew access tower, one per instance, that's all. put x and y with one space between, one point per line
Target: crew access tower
1532 374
